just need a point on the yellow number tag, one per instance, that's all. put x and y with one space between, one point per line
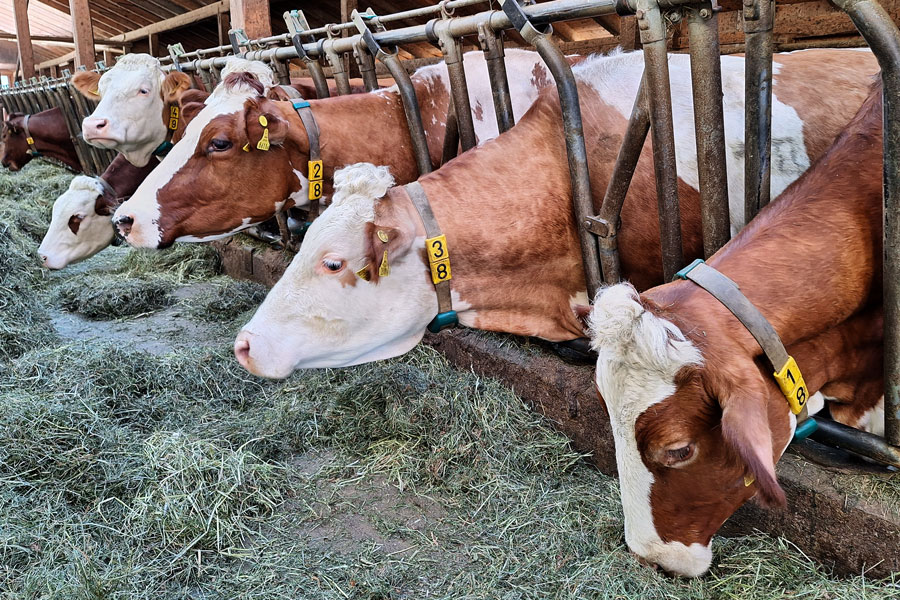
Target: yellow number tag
316 170
30 141
263 141
440 271
173 118
438 258
315 190
790 380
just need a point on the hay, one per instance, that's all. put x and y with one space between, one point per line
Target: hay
105 297
227 300
128 475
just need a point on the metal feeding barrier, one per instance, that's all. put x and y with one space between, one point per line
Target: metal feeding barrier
370 40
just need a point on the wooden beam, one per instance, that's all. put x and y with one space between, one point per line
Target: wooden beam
58 40
153 44
223 22
23 38
54 71
65 59
252 16
209 11
84 33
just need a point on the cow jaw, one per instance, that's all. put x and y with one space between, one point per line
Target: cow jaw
128 117
61 246
639 355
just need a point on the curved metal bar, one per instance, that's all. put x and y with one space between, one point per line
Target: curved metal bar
492 46
337 64
459 89
366 64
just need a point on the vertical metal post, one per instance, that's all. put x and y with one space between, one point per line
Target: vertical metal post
366 64
296 23
337 65
492 46
450 147
883 38
709 125
282 71
576 150
656 73
453 58
759 18
606 224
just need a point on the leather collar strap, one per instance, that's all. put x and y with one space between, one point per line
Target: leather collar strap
316 169
438 259
171 128
30 140
786 372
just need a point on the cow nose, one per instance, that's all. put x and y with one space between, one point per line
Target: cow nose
96 123
242 349
645 562
124 224
43 259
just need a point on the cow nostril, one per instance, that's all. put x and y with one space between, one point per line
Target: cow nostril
43 259
101 123
124 224
242 351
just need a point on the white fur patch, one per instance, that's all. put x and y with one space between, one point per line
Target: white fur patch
60 247
259 69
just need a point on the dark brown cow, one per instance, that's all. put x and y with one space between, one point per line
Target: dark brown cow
698 421
51 139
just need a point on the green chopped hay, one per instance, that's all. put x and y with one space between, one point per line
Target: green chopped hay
227 300
106 296
128 475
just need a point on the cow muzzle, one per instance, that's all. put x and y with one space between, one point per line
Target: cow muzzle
96 130
124 224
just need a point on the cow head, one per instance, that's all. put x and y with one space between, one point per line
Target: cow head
80 225
129 117
221 177
336 304
16 152
696 434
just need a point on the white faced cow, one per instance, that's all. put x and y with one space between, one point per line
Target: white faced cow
77 230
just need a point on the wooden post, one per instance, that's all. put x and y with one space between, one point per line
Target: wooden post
222 23
252 16
84 33
347 8
109 58
54 71
23 38
153 44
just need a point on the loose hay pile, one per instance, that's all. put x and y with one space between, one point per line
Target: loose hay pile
132 475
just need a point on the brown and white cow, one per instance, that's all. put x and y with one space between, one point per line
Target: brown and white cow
209 187
695 414
505 208
51 138
80 225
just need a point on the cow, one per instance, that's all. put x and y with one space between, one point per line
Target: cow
80 224
216 182
132 96
698 421
50 139
505 209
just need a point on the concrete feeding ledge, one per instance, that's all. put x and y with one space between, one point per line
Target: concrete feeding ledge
846 534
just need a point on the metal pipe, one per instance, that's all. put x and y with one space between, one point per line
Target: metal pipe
492 46
337 64
576 150
366 64
874 23
859 442
459 89
656 74
606 224
709 126
759 17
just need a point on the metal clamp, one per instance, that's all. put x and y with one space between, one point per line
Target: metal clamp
298 26
238 38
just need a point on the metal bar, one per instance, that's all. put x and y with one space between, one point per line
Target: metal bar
337 64
606 224
492 45
860 442
297 24
366 64
656 73
759 17
459 89
874 23
576 150
709 125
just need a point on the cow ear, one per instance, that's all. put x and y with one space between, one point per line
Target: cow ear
265 125
86 82
277 93
746 429
173 85
190 110
385 244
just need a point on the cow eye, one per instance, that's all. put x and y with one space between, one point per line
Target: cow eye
218 145
333 265
144 91
678 455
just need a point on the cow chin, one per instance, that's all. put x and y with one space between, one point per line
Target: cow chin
676 558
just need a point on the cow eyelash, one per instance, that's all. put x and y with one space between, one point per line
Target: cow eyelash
217 145
333 265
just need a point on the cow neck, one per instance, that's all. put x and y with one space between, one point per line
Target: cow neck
45 127
516 256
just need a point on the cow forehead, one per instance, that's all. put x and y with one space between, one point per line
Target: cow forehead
82 193
128 80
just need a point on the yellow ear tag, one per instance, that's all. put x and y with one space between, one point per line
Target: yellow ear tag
385 269
364 273
264 140
95 92
383 236
749 479
29 141
173 117
246 147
